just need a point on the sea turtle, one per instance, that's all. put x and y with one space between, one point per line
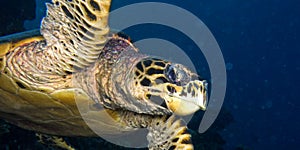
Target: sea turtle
77 75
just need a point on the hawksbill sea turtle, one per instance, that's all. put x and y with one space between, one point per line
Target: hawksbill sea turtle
77 75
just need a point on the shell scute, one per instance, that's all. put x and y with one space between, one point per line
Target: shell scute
4 48
8 83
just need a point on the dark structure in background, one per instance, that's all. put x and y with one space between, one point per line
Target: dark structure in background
13 13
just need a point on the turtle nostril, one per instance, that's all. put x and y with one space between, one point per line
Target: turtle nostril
171 89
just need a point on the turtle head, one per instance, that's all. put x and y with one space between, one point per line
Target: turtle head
169 85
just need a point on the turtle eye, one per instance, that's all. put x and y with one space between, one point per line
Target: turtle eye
171 74
176 74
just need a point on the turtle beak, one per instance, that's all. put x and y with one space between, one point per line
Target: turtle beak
188 99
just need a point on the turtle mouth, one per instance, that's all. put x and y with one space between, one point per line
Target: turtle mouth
185 100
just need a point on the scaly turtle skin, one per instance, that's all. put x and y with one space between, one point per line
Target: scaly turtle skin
78 76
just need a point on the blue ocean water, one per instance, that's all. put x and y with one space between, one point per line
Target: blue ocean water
259 40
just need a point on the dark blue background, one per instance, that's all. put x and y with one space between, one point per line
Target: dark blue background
259 38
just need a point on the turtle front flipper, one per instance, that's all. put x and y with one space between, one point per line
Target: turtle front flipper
77 29
73 35
168 134
164 132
